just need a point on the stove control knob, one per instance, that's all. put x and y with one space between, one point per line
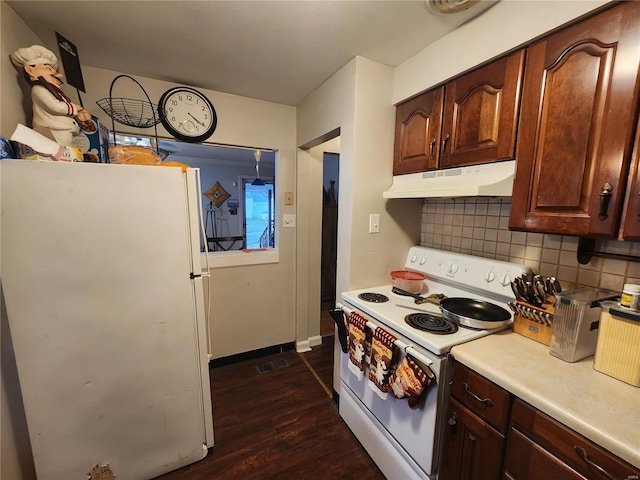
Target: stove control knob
413 259
489 277
453 267
423 260
505 280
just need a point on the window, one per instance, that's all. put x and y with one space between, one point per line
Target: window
259 214
239 214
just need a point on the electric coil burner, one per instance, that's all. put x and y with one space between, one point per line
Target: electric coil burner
373 297
431 323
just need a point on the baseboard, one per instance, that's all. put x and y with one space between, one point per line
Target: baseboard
253 354
303 346
315 340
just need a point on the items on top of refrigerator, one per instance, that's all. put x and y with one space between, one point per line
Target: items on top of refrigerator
32 145
133 154
6 151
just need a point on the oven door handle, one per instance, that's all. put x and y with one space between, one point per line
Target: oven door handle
412 352
408 349
346 310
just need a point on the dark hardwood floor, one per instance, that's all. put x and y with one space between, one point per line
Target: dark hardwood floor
279 424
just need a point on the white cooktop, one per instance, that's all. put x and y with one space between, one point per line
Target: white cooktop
449 273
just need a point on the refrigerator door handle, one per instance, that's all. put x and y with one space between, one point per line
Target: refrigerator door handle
199 275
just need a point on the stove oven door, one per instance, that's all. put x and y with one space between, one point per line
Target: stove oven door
403 442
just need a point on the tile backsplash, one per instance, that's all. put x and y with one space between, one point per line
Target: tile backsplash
479 226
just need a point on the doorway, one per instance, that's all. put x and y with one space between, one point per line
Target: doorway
330 175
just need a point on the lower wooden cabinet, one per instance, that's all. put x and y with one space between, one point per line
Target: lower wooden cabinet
529 460
539 447
477 422
474 449
490 436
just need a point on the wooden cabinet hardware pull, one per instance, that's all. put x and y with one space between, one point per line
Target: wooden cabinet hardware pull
605 197
592 466
432 146
486 401
453 424
445 139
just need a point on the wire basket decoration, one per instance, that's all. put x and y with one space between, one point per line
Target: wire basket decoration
132 112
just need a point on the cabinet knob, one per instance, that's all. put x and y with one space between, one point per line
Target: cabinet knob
453 424
605 197
445 139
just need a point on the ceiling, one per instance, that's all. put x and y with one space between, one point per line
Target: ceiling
273 50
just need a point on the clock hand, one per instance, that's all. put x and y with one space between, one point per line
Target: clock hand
189 113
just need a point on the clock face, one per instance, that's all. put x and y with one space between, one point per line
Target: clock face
187 114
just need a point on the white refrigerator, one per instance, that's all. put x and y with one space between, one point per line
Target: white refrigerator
101 275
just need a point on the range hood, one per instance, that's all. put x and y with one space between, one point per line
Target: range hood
487 180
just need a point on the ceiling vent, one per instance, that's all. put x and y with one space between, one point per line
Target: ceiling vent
451 7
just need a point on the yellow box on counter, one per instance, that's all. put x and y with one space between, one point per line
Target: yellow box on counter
617 351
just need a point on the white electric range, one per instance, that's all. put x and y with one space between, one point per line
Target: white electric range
406 443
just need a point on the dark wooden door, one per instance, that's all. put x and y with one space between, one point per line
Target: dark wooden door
329 250
417 135
473 449
481 114
579 105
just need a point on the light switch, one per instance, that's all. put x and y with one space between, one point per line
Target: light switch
288 198
374 223
289 220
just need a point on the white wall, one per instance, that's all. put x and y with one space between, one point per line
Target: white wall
503 27
357 99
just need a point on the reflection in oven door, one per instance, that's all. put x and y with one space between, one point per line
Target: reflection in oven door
404 442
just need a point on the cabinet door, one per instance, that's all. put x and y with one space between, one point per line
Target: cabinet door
540 447
527 460
630 229
417 136
473 449
481 114
578 112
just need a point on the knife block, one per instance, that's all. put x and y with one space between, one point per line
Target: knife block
536 330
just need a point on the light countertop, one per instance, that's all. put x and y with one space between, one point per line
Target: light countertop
601 408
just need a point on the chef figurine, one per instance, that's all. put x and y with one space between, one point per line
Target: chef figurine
54 115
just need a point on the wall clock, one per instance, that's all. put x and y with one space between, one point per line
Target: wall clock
187 114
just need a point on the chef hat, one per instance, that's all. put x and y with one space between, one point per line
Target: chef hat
33 55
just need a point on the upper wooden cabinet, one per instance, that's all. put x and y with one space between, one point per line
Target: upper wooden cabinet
577 122
481 114
471 120
630 228
417 141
